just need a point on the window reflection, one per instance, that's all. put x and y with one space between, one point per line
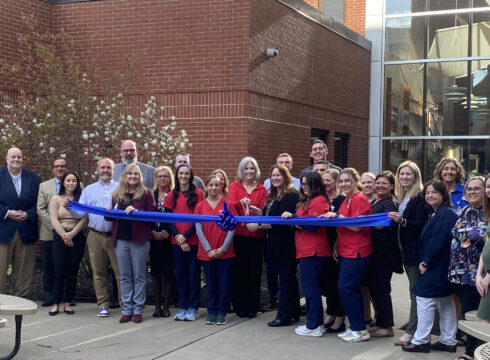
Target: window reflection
480 109
404 38
404 100
448 36
404 6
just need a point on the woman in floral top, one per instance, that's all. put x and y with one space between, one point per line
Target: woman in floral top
467 244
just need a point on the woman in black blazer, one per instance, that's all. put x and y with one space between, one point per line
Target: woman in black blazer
411 217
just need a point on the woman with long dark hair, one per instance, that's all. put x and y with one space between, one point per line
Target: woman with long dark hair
183 200
161 260
312 250
68 243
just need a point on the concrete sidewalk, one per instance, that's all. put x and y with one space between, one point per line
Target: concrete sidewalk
85 336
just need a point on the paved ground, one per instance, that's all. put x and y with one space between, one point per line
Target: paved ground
85 336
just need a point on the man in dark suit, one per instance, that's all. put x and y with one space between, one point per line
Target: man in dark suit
129 155
18 223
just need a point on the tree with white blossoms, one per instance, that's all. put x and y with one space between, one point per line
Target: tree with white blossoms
56 112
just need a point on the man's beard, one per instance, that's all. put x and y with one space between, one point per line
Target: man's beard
128 161
105 177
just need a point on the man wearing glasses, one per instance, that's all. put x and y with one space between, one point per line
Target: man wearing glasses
129 155
47 190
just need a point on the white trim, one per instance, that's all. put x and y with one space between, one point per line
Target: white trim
427 61
439 12
469 137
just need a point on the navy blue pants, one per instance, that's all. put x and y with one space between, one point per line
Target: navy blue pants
218 274
187 277
48 269
352 271
272 276
310 270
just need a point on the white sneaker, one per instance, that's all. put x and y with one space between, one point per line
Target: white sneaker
356 336
304 331
180 315
191 315
103 312
343 333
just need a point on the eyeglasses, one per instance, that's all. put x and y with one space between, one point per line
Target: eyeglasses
473 190
163 177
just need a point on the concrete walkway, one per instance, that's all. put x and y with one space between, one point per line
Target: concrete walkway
85 336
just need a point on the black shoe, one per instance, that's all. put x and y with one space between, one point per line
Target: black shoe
69 312
439 346
114 306
53 313
73 303
158 312
47 303
251 315
241 314
424 348
329 324
340 329
278 323
296 318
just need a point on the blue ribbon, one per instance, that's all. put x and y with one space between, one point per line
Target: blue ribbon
226 221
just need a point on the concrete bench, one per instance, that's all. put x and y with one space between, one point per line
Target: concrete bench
3 322
471 315
482 352
13 305
477 329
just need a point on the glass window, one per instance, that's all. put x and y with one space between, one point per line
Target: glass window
404 38
403 99
447 36
404 6
447 86
480 34
478 158
479 105
435 5
397 151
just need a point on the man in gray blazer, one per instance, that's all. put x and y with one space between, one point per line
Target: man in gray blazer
129 155
47 190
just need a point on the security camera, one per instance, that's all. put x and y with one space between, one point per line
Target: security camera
271 53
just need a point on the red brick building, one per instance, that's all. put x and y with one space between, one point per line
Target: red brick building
207 61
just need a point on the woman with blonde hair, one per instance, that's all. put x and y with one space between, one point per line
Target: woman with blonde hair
367 181
161 260
411 217
131 241
223 181
452 174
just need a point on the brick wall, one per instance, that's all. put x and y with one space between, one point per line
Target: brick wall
355 15
206 61
318 80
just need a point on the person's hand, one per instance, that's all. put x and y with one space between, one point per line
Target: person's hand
66 203
422 268
395 216
286 215
218 252
180 239
185 247
253 227
245 205
165 234
67 236
129 209
16 215
329 215
255 210
157 235
482 284
211 253
107 207
23 216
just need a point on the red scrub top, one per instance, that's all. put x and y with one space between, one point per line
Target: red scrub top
312 243
350 242
257 198
214 235
182 208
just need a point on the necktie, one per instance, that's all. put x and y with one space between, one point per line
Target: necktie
58 184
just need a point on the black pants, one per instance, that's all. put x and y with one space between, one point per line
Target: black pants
66 262
48 268
288 306
379 282
330 279
246 274
470 300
